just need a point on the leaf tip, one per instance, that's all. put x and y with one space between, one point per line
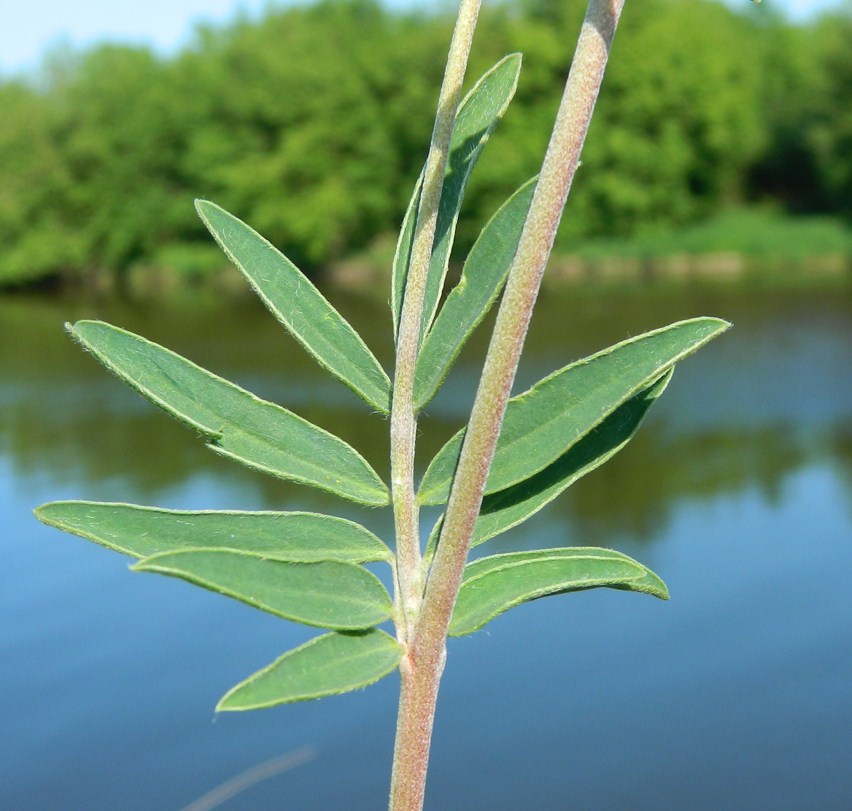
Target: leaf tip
78 329
206 209
515 56
73 329
45 513
203 208
516 60
721 325
224 704
650 584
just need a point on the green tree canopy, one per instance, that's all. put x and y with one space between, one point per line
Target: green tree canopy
327 107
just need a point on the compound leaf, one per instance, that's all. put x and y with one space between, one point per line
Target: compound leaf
299 306
544 422
237 424
478 115
482 278
495 584
330 594
328 665
145 531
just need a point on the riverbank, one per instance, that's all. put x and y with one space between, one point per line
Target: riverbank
748 247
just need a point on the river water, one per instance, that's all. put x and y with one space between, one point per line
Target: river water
736 694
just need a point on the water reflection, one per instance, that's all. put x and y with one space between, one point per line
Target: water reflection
739 486
718 430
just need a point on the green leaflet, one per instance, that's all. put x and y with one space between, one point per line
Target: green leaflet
495 584
299 306
646 583
330 594
545 421
483 276
402 254
477 117
328 665
237 424
508 508
145 531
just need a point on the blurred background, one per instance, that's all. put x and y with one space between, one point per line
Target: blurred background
724 133
717 180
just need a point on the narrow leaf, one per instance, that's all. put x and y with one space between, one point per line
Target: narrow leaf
237 424
508 508
145 531
478 115
548 419
647 582
299 306
495 584
331 594
482 278
325 666
402 254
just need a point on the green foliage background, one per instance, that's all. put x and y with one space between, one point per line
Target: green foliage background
311 124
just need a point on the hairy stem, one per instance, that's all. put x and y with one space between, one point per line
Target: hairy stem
419 681
421 670
412 749
403 420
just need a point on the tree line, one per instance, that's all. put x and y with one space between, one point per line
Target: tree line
312 123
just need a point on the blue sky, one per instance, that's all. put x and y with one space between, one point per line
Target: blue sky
29 27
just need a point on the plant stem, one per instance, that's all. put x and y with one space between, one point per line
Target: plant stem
423 664
403 421
411 751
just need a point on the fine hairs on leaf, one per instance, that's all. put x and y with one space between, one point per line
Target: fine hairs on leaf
512 457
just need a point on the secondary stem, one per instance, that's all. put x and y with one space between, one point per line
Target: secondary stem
403 421
501 363
411 751
423 664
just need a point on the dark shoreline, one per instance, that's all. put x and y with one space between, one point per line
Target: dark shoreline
367 276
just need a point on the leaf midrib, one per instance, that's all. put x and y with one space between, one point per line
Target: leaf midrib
549 558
